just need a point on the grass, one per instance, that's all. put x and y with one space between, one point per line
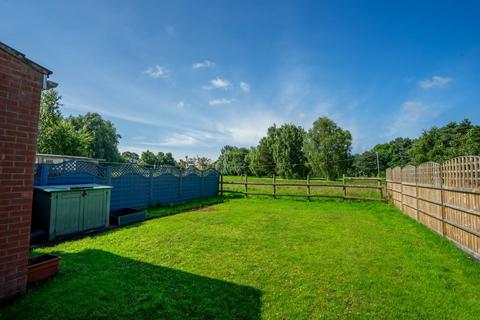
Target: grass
261 259
328 191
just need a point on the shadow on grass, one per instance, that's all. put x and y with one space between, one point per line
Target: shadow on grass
95 284
167 210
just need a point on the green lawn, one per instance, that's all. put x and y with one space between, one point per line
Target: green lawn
261 259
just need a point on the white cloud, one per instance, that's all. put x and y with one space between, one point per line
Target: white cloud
435 82
204 64
412 117
413 108
216 102
174 140
247 129
244 86
181 104
218 83
157 72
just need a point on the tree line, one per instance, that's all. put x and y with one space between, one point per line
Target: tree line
291 152
325 151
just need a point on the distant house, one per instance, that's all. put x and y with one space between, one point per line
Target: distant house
55 158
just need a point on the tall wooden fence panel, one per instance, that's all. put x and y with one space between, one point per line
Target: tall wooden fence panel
444 197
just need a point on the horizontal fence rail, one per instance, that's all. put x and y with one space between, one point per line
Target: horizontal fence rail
308 188
444 197
134 186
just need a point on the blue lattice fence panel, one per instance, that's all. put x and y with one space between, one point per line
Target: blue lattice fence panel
167 189
131 187
191 187
37 175
210 183
71 172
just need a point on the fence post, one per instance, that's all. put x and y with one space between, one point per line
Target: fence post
44 176
308 187
416 193
150 179
221 184
379 184
344 188
401 189
274 187
442 199
246 185
201 181
109 175
180 186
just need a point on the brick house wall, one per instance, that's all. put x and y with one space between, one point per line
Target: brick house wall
21 82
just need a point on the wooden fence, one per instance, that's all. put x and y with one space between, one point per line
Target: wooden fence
344 186
444 197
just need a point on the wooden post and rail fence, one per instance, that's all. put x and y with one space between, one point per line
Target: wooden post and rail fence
308 185
444 197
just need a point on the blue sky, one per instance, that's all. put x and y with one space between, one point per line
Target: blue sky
190 77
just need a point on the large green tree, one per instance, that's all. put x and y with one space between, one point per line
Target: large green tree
260 158
55 134
327 148
233 161
287 150
105 136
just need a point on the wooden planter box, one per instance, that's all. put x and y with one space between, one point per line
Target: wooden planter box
41 268
127 216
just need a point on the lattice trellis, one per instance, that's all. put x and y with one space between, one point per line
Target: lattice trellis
166 170
397 174
191 170
210 172
408 174
429 173
388 174
130 168
38 171
462 172
76 166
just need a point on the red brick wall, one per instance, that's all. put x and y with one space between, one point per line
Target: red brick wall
20 88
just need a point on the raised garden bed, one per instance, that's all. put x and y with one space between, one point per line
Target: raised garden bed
127 216
41 268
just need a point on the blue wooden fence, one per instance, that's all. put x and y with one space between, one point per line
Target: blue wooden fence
134 186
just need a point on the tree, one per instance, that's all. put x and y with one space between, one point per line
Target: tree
202 163
260 158
287 150
327 148
105 137
55 134
148 158
130 157
364 164
394 153
232 161
449 141
166 159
